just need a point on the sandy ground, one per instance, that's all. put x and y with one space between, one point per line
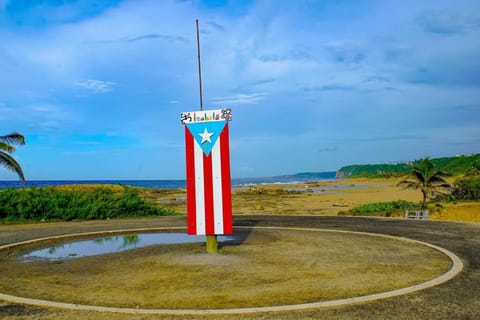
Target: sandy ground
325 198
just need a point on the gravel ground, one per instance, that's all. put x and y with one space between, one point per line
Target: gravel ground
459 298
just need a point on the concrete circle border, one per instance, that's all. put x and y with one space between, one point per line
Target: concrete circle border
457 267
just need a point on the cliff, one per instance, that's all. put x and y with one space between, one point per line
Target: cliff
452 165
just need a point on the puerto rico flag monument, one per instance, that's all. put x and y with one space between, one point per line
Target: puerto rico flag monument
209 196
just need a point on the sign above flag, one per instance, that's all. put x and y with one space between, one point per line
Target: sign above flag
209 203
206 116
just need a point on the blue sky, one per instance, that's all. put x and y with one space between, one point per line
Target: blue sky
97 87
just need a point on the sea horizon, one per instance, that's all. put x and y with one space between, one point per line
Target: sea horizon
177 183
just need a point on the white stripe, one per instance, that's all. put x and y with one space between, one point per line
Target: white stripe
217 188
199 189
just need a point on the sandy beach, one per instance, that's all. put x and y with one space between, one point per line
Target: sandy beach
325 198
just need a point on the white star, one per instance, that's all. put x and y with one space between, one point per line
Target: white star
206 136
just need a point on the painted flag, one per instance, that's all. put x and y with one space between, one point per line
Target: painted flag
209 200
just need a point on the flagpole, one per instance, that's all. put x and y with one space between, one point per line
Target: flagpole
199 67
211 243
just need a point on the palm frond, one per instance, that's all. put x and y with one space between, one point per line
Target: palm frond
444 186
418 175
443 174
10 163
407 184
13 138
436 179
6 147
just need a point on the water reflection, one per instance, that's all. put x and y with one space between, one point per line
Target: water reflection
130 240
112 244
126 240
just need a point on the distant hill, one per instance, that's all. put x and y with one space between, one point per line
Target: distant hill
311 176
453 165
290 178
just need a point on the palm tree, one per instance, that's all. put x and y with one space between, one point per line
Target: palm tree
6 148
428 179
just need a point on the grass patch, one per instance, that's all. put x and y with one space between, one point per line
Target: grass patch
55 204
387 209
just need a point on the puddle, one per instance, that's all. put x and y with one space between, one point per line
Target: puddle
112 244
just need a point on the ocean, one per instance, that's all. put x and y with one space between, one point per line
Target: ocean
176 184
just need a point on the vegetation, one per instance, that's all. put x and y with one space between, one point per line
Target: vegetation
7 148
474 169
381 208
467 188
457 165
453 165
426 177
51 204
373 170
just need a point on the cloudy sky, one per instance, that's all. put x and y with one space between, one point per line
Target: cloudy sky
97 87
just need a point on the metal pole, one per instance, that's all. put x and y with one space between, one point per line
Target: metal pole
212 244
199 67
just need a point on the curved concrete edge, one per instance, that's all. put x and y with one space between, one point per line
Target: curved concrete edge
84 234
457 267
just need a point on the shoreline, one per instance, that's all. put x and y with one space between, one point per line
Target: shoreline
175 183
324 198
327 197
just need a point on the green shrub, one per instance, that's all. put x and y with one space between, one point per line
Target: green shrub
467 188
49 203
381 208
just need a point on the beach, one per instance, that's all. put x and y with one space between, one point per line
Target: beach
327 197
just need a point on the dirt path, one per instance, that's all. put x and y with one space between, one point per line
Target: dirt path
456 299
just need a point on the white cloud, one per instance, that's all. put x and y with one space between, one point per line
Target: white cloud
97 86
447 22
46 125
240 98
36 117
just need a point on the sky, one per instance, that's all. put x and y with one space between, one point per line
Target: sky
97 87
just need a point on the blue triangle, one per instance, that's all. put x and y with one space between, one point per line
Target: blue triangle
211 130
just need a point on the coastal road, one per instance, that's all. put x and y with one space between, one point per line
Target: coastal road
458 298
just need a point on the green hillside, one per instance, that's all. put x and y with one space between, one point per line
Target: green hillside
453 165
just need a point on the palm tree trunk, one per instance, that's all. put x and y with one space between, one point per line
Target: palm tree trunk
424 203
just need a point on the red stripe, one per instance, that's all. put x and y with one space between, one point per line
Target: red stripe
226 181
208 189
190 161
